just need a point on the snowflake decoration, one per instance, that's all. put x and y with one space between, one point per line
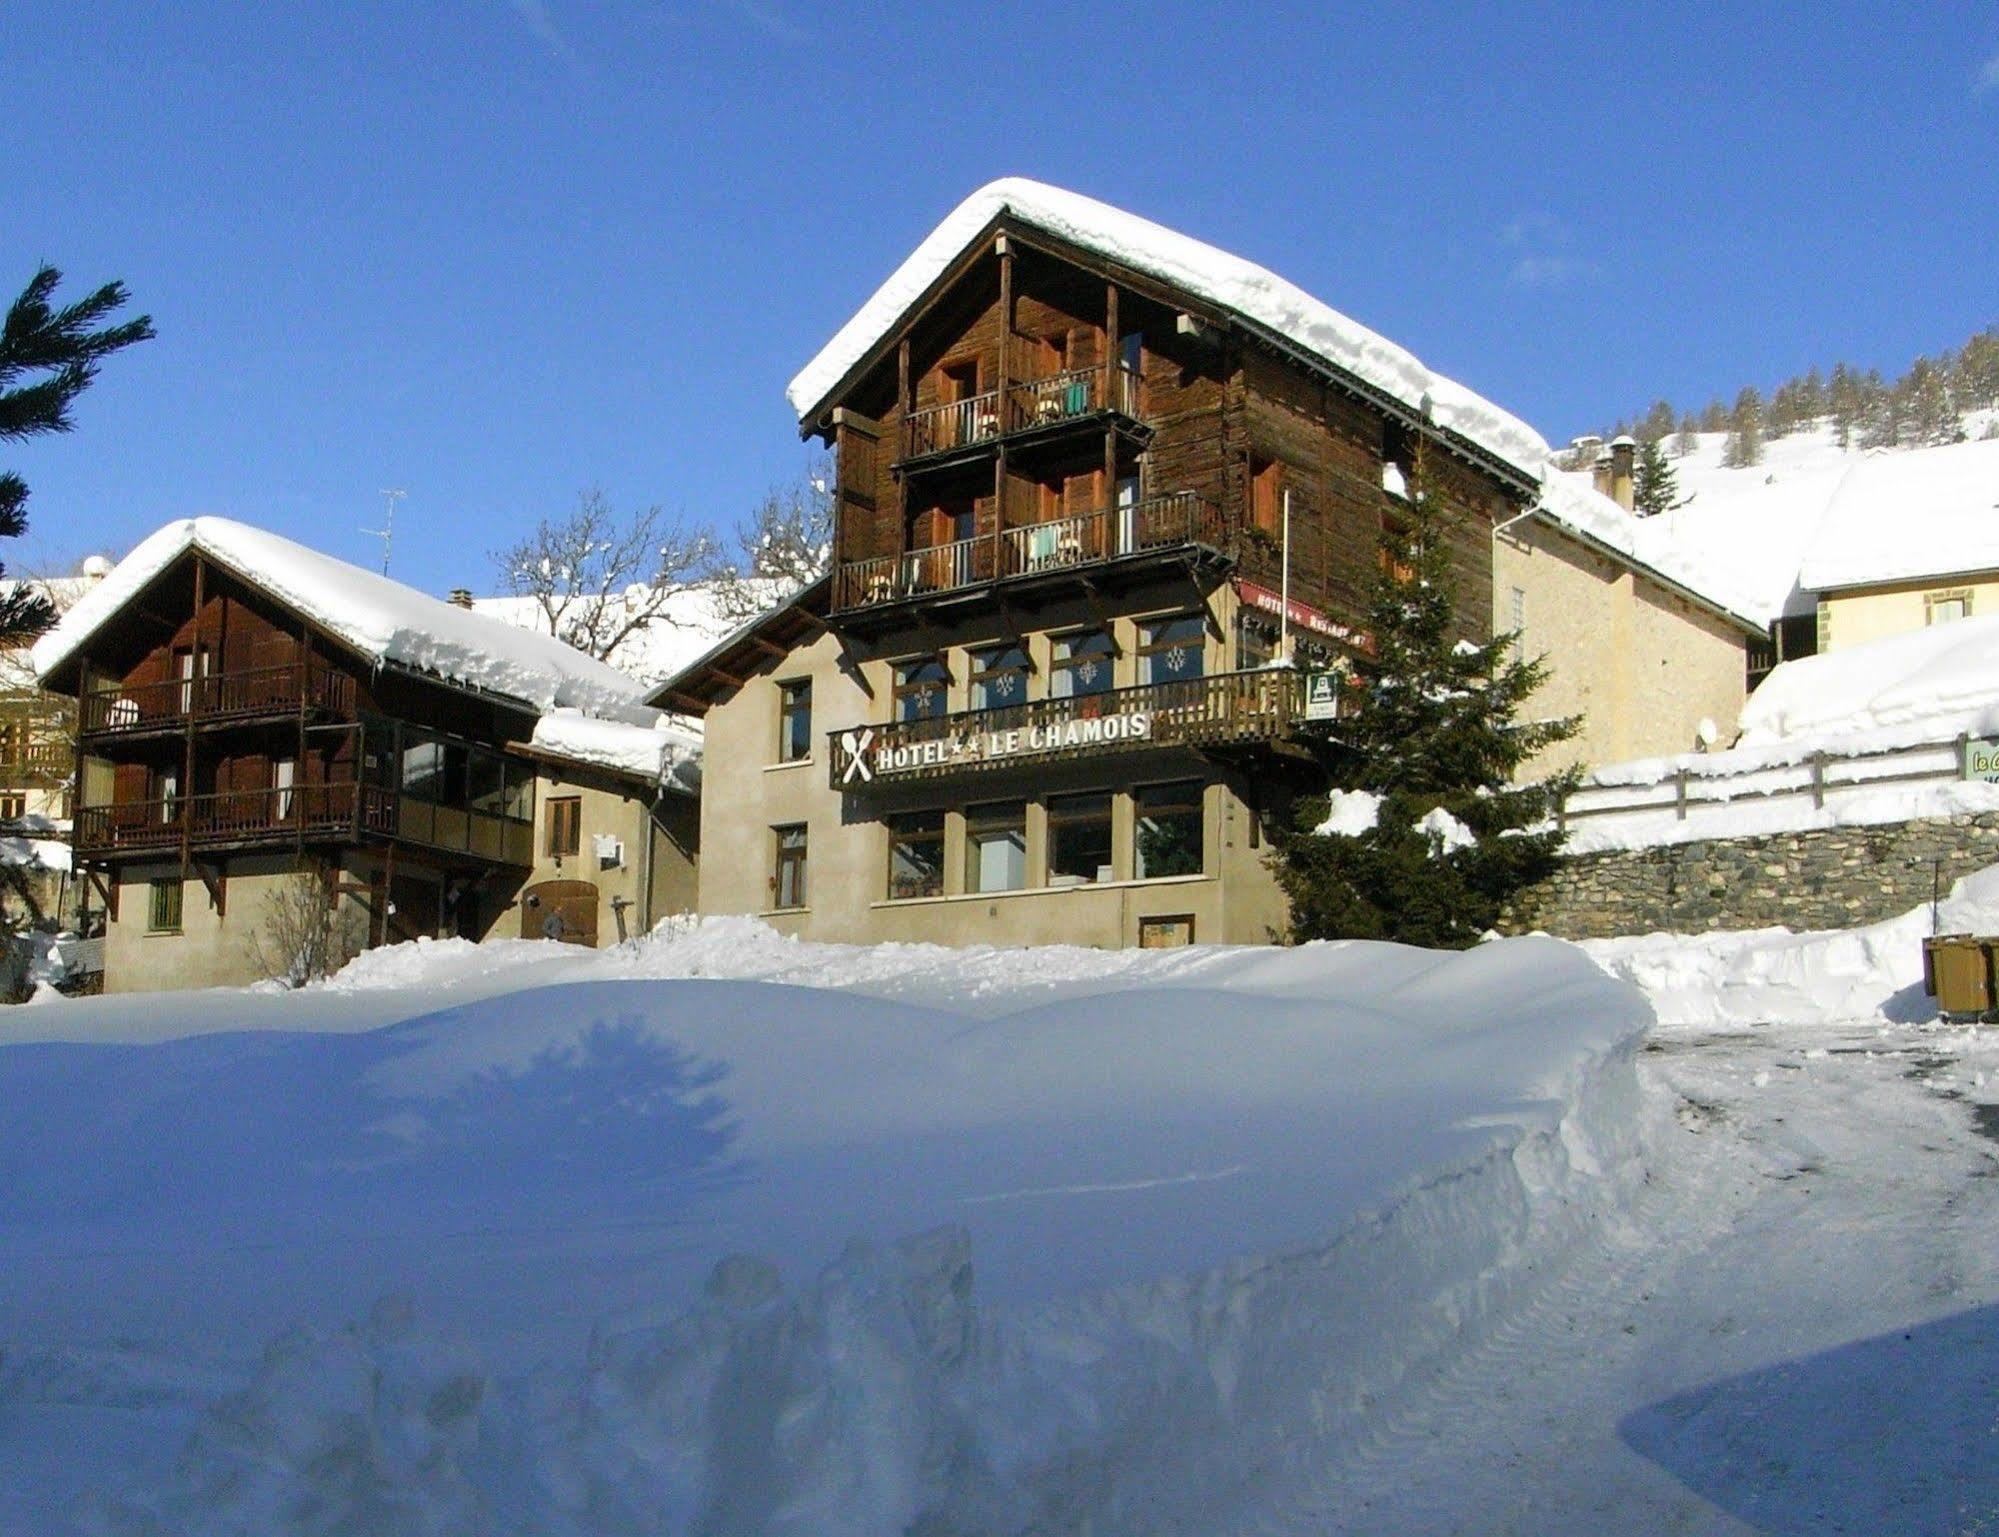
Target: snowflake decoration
1086 672
1176 659
1004 685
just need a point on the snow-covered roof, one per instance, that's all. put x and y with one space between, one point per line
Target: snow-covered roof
1901 515
1242 287
1573 503
1925 685
658 752
379 618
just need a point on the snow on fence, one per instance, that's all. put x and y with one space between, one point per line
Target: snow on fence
1755 793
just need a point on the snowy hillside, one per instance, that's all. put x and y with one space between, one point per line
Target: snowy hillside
1749 531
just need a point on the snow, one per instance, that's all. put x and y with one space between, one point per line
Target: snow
1258 295
1936 682
34 853
661 753
729 1254
1905 514
1760 814
1446 833
381 619
689 624
1349 813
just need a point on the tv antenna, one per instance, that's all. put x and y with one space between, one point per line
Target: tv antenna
387 532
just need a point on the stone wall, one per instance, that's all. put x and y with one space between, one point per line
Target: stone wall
1828 878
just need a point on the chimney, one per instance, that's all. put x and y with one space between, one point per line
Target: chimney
461 597
1623 461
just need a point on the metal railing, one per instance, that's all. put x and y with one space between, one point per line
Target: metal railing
250 691
955 424
1222 709
1177 519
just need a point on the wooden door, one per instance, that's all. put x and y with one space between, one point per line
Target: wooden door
564 910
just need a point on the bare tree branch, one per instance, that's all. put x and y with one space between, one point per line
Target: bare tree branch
600 578
784 545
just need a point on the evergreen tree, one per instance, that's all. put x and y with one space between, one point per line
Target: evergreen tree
1745 431
1656 424
1714 416
1655 486
1811 401
1928 411
1434 732
1846 403
47 358
1883 413
1975 376
1688 437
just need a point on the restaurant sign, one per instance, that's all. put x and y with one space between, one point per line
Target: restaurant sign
870 757
1981 760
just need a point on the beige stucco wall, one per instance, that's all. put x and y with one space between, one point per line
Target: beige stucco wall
211 948
747 792
626 814
1854 617
1641 666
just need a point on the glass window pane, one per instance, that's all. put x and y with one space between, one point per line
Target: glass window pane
1170 840
920 689
795 727
423 769
486 783
1079 839
1173 649
999 677
1084 664
996 847
916 855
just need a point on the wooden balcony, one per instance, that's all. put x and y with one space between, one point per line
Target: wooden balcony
252 693
1162 524
1231 710
43 763
314 814
1020 408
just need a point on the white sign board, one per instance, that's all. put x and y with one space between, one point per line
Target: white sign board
1322 695
868 757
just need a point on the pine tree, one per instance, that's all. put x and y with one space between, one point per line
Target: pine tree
1688 438
1745 431
1975 377
1655 486
1714 416
47 358
1435 731
1846 403
1931 416
1656 424
1811 395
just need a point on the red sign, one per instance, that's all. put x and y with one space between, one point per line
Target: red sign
1303 615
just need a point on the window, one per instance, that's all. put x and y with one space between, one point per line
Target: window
565 825
13 806
916 854
788 881
1173 650
1517 623
423 770
794 714
996 846
999 677
1399 550
920 687
166 790
1131 351
1942 607
284 774
1266 495
1079 839
1170 830
163 911
958 381
1083 665
1127 500
190 664
1255 640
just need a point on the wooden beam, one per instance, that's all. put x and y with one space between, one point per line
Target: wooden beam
216 879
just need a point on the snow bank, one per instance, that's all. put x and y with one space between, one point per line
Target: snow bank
735 1256
1772 976
1258 295
1931 683
660 753
381 619
34 853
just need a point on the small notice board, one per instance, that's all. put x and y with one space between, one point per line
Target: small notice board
1322 696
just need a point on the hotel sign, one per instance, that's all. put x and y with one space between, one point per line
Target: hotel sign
1981 761
870 757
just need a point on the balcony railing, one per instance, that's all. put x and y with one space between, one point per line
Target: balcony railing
1022 406
1225 709
311 813
40 763
956 424
244 693
1174 521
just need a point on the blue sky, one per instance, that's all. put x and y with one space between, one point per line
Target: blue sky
495 251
